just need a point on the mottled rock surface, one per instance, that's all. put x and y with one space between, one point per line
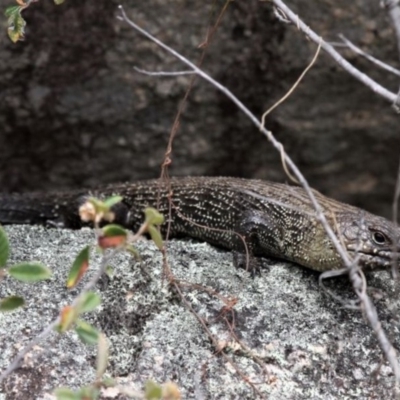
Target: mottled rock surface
311 346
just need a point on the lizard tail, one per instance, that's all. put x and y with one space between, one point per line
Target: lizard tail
36 210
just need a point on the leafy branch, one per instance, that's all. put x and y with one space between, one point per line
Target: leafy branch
110 239
15 21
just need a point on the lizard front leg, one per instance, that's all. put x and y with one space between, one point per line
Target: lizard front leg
256 233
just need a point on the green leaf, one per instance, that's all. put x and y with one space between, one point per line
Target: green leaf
114 230
133 251
30 272
112 201
153 217
102 356
64 393
58 2
68 316
156 236
11 10
112 236
110 271
87 333
153 391
16 24
109 382
79 267
11 303
88 302
97 204
89 392
4 248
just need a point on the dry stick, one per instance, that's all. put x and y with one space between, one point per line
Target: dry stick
365 79
229 303
374 60
356 276
395 204
178 284
291 90
175 125
245 348
215 342
178 287
395 207
163 73
394 13
370 310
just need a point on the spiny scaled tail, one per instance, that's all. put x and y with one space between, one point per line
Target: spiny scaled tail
30 209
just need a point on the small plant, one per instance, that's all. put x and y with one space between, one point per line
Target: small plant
25 272
110 239
15 21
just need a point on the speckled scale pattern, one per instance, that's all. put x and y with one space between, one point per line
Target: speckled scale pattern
275 219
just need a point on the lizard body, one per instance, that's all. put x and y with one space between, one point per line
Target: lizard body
274 219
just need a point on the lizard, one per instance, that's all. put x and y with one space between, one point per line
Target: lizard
248 216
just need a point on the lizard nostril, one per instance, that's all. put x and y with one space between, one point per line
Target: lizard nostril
379 238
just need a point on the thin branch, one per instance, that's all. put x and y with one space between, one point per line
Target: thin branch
393 9
20 356
163 73
374 60
291 90
354 273
281 100
212 29
395 208
281 16
365 79
395 205
396 104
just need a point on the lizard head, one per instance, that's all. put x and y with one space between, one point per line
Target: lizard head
372 240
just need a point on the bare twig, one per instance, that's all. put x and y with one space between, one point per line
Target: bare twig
281 100
175 126
395 209
163 73
369 308
281 16
365 79
292 89
216 344
19 357
374 60
393 9
395 205
396 103
355 274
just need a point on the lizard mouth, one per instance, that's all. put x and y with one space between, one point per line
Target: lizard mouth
383 259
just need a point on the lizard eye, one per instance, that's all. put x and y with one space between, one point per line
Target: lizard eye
379 238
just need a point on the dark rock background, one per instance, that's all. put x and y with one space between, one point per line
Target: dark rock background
73 112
